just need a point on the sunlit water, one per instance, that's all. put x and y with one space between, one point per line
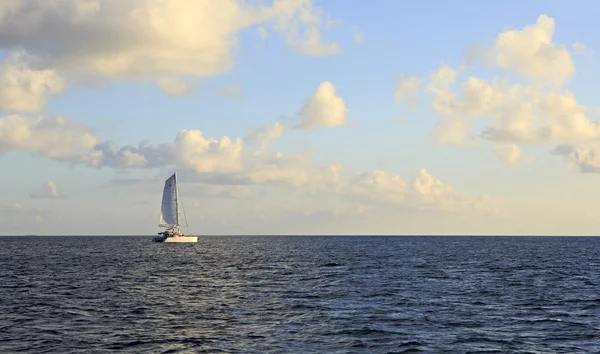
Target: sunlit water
300 295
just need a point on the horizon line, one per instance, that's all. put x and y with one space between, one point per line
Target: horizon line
307 235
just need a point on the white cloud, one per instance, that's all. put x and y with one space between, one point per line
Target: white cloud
428 192
193 150
56 137
430 189
324 109
296 171
530 52
226 168
217 161
149 39
109 154
49 190
311 44
519 113
265 135
441 79
424 192
225 162
511 115
24 89
408 89
376 185
455 122
190 149
582 157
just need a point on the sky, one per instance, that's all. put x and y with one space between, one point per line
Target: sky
300 116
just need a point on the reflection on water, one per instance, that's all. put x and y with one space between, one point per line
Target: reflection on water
300 294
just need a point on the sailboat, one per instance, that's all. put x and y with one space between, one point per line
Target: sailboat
169 214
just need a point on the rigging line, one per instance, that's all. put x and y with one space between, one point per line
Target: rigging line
182 207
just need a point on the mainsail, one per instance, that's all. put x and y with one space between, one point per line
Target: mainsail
169 210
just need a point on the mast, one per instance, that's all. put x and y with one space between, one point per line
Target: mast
182 207
177 198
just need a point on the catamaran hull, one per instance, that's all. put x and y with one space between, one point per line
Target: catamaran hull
182 239
176 239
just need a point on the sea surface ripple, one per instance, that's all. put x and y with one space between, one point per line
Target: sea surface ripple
301 294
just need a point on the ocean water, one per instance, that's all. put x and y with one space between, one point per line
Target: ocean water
300 295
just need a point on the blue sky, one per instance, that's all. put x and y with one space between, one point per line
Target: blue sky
397 175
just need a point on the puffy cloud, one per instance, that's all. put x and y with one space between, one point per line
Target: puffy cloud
290 171
424 192
107 153
226 162
324 109
299 171
455 123
150 39
193 150
512 114
441 79
430 189
190 149
428 192
49 190
265 135
376 185
56 137
530 52
217 161
311 44
583 157
24 89
519 113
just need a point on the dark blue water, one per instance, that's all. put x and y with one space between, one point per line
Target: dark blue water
300 295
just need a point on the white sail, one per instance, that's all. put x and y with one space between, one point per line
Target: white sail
169 210
169 214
